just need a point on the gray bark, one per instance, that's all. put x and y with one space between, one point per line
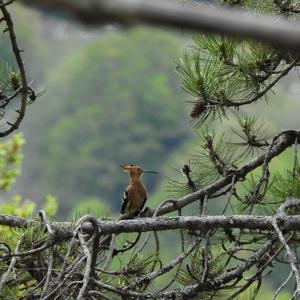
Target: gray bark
65 229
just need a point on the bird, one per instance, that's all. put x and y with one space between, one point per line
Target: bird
135 195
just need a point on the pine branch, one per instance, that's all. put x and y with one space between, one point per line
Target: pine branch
287 139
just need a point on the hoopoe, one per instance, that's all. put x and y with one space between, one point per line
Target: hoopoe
135 195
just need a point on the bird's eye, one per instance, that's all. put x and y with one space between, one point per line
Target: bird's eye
131 165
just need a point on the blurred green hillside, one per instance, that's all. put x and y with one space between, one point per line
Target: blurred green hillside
115 101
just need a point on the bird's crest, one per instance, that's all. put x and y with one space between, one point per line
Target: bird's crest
133 169
136 170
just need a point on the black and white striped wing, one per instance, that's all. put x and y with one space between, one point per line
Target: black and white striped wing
143 204
125 201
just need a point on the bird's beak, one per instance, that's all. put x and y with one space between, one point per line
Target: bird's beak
146 171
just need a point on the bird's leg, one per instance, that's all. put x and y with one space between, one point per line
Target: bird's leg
126 216
146 212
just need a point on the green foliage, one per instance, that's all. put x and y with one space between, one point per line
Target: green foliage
191 273
90 206
249 294
27 208
31 237
10 159
223 72
7 76
18 207
137 265
216 157
50 206
283 183
254 135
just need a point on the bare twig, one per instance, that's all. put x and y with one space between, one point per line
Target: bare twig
288 203
47 244
42 215
291 255
282 285
4 277
49 272
98 294
87 272
204 205
231 191
110 252
17 54
74 266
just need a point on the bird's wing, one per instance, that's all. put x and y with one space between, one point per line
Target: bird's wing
125 201
143 203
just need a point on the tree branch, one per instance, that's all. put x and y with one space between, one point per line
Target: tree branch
17 53
66 230
197 17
